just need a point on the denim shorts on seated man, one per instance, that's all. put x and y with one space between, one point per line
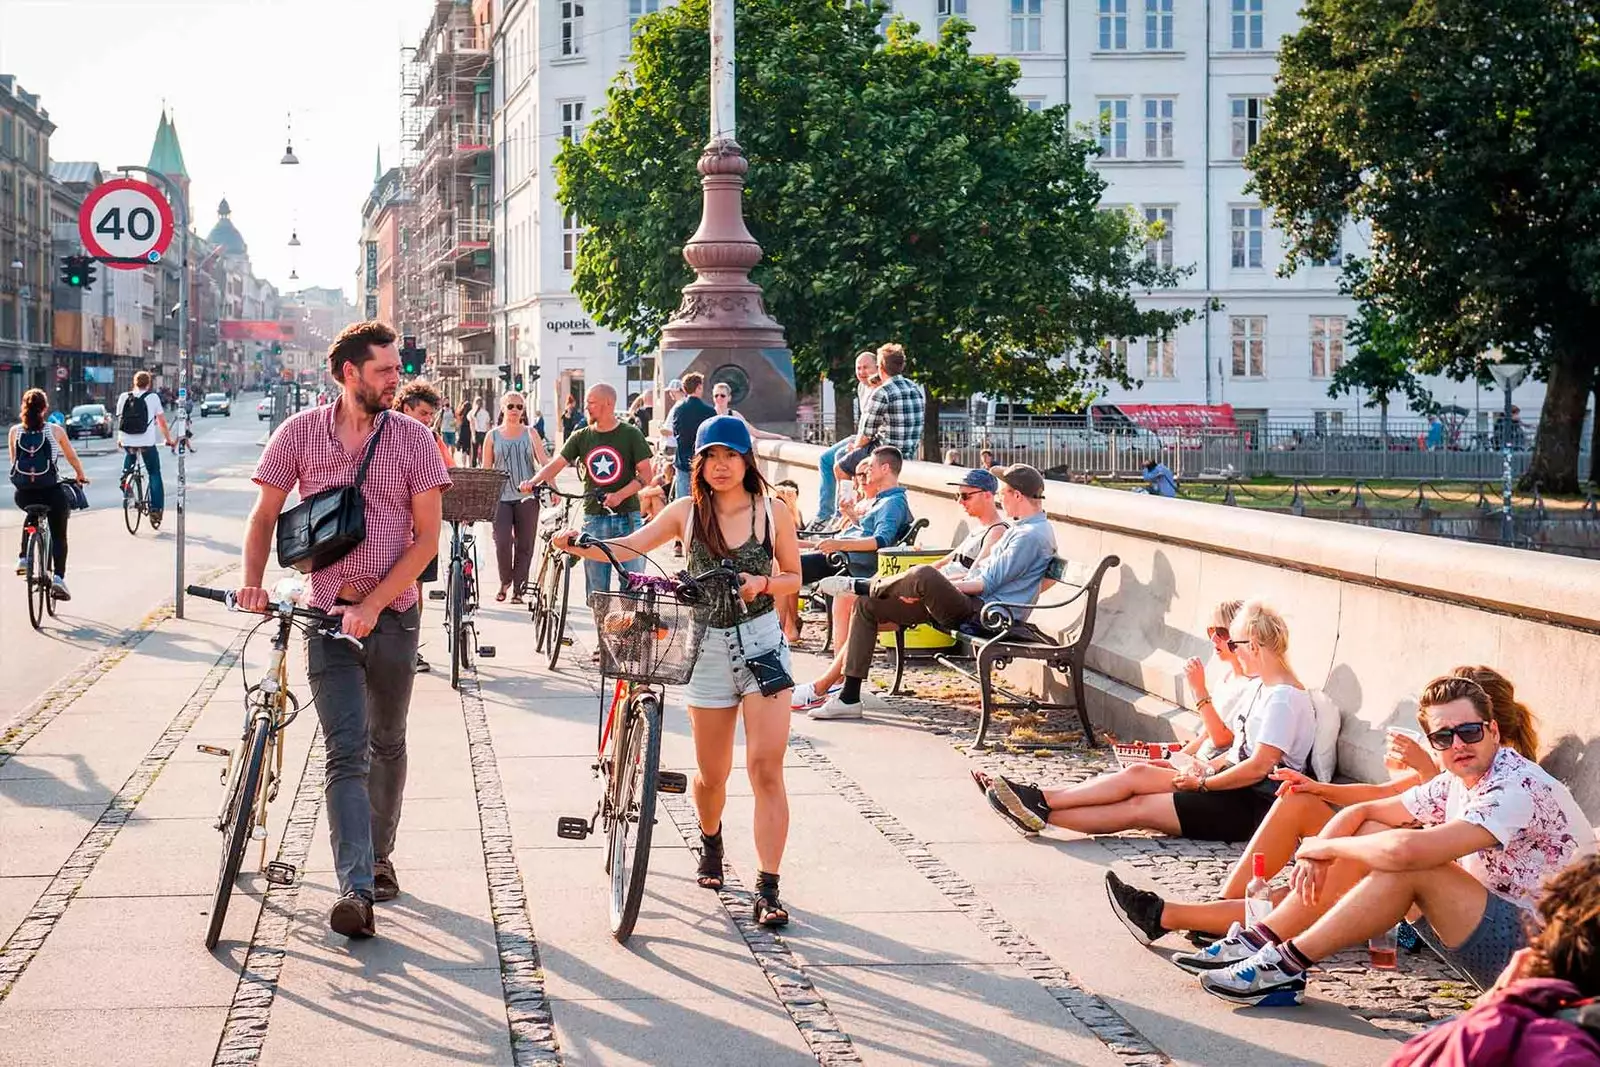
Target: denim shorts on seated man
1487 950
720 678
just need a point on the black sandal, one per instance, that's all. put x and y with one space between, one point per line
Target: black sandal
768 911
710 869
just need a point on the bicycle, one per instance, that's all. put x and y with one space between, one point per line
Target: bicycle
38 551
135 495
472 498
553 589
252 779
649 634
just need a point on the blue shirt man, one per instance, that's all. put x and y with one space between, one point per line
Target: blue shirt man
1161 479
1012 573
879 526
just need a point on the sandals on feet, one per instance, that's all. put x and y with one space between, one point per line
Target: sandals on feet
709 873
768 911
501 595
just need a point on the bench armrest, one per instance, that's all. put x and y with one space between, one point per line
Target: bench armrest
1000 614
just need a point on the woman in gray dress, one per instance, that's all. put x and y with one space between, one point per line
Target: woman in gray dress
513 448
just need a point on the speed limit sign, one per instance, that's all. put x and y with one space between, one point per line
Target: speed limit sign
126 223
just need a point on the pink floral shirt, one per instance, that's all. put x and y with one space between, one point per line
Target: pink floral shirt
1539 827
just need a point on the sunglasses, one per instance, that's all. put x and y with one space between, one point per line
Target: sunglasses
1217 633
975 492
513 407
1234 646
1469 732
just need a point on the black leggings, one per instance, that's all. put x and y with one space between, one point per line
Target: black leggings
58 500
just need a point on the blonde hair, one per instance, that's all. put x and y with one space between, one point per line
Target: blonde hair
1258 622
507 397
1224 613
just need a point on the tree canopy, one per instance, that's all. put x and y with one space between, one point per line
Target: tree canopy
898 188
1462 132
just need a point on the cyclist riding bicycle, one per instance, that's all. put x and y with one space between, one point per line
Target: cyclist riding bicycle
141 427
36 446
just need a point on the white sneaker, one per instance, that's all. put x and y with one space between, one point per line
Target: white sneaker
806 697
837 585
59 588
836 708
22 564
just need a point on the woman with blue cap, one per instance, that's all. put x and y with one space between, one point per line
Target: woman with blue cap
743 663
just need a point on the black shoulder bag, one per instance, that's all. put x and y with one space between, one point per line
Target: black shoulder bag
325 528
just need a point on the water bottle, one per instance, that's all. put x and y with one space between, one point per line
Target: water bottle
1257 894
1184 763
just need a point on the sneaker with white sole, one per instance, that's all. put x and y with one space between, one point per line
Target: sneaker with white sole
58 588
836 585
1258 982
22 564
1219 954
806 697
836 708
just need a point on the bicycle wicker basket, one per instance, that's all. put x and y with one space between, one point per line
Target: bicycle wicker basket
646 637
473 495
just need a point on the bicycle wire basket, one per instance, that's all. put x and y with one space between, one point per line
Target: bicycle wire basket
646 637
473 495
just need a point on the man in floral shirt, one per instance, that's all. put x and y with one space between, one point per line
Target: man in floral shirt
1494 826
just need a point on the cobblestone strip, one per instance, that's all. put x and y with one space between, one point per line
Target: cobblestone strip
25 942
59 697
245 1031
800 998
532 1028
1119 1035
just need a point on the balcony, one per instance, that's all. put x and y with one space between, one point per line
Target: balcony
471 137
465 313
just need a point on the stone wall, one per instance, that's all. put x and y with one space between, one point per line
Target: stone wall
1373 614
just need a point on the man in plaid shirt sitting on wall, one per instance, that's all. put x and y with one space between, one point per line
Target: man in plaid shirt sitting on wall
892 414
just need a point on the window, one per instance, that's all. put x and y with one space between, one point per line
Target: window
570 232
947 8
1327 344
1027 25
1248 31
572 120
572 27
1113 25
638 9
1158 25
1158 126
1248 114
1335 255
1113 127
1160 357
1033 103
1158 245
1326 422
1247 233
1249 346
1115 351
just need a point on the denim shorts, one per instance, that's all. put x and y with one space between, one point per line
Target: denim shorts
720 678
1487 950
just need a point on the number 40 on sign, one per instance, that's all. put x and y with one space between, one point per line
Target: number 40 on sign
126 223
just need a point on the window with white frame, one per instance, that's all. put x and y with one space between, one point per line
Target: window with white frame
1326 422
1335 257
1249 345
1027 25
571 28
1113 25
1247 114
1033 103
947 8
638 9
570 234
1158 113
1113 111
1115 351
1160 357
1158 242
1248 225
1327 345
572 120
1158 35
1249 31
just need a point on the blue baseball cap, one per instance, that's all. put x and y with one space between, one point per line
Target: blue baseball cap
979 479
729 431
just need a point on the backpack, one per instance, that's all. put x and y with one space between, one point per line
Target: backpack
35 465
134 418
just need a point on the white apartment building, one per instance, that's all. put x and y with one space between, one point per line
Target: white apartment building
1181 86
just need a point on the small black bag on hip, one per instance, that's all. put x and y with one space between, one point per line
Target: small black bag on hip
325 528
769 673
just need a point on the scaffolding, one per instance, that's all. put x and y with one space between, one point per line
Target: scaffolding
446 224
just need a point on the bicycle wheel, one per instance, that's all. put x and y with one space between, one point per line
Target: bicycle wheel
38 577
558 612
633 814
133 503
237 821
455 611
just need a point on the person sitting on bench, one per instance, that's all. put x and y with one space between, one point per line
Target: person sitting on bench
1011 574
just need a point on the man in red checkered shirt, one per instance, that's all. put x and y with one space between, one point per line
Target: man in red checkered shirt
361 696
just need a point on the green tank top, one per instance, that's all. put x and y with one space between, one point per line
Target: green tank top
752 557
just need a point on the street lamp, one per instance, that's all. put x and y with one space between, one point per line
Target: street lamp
288 144
294 238
1508 374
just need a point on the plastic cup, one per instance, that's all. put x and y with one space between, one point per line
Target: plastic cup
1383 950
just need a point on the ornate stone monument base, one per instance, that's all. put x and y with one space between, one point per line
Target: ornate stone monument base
762 381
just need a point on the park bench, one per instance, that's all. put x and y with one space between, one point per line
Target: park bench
1005 639
824 603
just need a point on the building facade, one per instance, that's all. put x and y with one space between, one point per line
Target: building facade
26 317
376 264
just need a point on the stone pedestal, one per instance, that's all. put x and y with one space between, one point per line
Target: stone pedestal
762 381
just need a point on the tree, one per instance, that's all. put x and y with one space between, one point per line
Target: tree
1461 132
1382 364
899 190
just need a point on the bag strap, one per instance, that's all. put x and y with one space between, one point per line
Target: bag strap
361 475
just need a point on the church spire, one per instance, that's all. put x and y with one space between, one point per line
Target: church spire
166 156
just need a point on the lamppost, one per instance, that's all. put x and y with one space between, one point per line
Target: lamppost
1508 374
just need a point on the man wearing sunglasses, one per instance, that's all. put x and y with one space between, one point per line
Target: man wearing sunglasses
1494 826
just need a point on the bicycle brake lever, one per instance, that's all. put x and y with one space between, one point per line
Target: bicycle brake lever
340 635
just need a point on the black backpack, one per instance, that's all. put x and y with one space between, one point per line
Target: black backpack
35 465
134 418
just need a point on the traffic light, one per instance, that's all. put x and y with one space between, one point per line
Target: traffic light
277 348
78 272
519 386
505 374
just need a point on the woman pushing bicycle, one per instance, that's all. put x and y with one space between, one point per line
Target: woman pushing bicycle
743 660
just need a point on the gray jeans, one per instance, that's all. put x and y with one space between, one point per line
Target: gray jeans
362 698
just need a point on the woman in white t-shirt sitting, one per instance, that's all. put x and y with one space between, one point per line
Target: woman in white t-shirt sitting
1222 799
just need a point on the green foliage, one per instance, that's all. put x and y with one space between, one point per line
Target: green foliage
1383 347
899 191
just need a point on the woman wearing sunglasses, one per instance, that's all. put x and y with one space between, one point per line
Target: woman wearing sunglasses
513 448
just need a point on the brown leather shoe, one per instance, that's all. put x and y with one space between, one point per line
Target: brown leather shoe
385 886
352 916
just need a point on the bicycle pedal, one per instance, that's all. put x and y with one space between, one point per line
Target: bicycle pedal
486 651
436 594
213 750
672 782
279 873
573 828
566 642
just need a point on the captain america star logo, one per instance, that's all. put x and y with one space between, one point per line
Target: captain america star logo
605 466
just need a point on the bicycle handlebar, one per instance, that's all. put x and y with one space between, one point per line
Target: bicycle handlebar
327 625
684 586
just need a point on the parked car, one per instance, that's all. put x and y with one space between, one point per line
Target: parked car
89 420
216 404
264 408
